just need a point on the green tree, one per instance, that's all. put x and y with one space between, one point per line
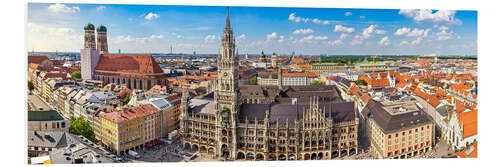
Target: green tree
31 86
360 81
80 126
126 99
76 75
315 83
253 81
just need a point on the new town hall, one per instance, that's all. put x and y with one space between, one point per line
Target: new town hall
252 122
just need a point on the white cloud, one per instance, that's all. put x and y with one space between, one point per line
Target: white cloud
343 36
347 13
282 39
210 38
63 8
271 36
100 8
151 16
178 36
122 38
142 40
336 42
299 19
358 39
202 28
412 33
384 41
444 34
362 17
340 28
157 36
402 31
303 31
50 38
380 32
312 38
417 41
404 43
241 38
426 15
367 32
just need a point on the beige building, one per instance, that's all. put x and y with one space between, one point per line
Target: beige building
47 121
268 78
398 130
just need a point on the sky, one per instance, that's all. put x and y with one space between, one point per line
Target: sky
308 31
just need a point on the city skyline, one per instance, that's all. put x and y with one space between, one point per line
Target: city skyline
153 28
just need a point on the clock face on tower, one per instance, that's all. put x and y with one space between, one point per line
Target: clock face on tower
225 74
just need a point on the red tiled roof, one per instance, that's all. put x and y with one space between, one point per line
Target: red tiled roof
308 66
36 59
124 92
56 62
64 76
469 121
128 114
297 60
158 88
128 65
300 74
472 154
365 98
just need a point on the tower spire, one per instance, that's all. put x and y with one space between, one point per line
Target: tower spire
228 25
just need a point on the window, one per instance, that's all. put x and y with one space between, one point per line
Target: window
389 142
403 133
409 132
389 136
397 135
389 148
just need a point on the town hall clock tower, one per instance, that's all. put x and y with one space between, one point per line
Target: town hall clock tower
227 95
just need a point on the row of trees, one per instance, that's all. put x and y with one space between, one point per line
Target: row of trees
80 126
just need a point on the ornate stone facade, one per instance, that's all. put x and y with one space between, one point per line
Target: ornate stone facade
277 127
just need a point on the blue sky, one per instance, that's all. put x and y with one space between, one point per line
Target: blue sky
153 28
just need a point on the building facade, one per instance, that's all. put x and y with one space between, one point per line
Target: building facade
398 130
134 71
224 126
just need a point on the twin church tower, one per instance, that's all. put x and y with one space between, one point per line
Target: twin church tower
91 51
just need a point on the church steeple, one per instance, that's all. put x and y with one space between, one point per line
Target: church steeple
228 25
227 97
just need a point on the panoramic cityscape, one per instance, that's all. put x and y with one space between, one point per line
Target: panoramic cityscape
157 83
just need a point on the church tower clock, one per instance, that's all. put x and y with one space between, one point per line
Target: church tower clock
227 95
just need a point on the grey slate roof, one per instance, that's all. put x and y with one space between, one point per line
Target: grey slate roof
343 111
392 122
49 139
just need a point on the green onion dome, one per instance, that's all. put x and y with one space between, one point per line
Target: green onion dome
89 26
101 28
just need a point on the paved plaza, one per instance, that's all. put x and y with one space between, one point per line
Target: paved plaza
35 103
